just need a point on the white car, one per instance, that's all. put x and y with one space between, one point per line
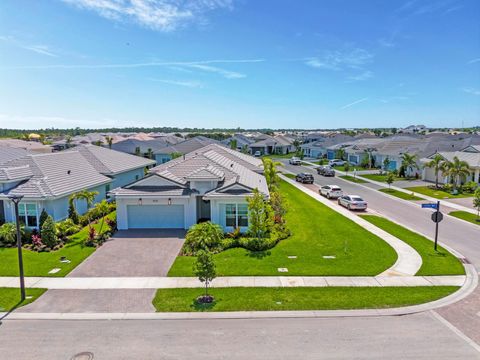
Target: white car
331 191
336 162
294 161
352 202
257 154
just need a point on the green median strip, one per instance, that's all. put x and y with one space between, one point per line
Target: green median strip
290 176
440 262
400 194
10 298
353 179
321 298
467 216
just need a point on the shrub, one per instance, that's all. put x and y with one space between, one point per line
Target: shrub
447 187
66 228
112 224
37 243
72 212
92 235
49 236
204 236
469 186
43 217
8 233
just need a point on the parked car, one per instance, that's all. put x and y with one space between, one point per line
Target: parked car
352 202
304 178
294 161
336 162
257 153
325 171
331 191
321 169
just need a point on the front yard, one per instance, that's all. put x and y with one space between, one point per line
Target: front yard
270 299
40 263
400 194
437 193
10 298
323 242
383 177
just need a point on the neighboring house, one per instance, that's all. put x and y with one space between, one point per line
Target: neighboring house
279 144
414 129
32 147
319 148
8 153
241 140
470 154
140 147
122 168
210 184
46 181
164 154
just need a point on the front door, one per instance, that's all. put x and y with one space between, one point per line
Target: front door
203 210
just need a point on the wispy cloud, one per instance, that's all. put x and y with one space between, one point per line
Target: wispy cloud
354 103
214 69
39 49
340 60
472 91
161 15
361 77
473 61
189 84
423 7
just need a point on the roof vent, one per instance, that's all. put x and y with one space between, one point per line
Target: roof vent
69 172
231 165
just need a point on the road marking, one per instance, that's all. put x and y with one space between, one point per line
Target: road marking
455 330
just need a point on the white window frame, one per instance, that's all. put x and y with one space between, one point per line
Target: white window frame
236 206
24 217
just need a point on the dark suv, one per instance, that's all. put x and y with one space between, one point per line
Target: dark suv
326 171
304 178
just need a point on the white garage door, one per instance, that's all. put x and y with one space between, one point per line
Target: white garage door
155 217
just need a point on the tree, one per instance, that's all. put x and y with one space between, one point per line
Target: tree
48 231
103 209
346 167
386 164
8 233
270 172
137 151
203 236
437 164
457 170
245 149
260 215
43 217
97 143
409 162
109 141
233 144
476 202
278 206
298 149
72 212
84 195
68 141
204 268
369 153
390 179
340 153
150 153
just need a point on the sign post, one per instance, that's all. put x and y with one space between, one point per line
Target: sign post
438 218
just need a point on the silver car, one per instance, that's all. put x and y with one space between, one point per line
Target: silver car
331 191
294 161
352 202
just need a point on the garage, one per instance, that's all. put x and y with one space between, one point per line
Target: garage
155 217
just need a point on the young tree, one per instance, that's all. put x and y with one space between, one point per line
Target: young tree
278 206
409 162
346 167
340 153
204 268
437 164
43 217
476 202
49 232
109 141
270 172
260 215
245 149
233 144
457 170
137 151
72 212
390 179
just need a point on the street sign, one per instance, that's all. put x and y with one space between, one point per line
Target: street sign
429 206
437 216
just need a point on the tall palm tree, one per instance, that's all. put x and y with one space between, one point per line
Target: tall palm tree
437 164
409 161
340 154
109 141
457 170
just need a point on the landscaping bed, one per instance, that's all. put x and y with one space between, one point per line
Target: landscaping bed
10 298
40 263
440 262
401 194
276 299
437 193
322 242
465 215
353 179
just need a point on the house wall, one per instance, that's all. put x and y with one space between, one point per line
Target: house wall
127 177
330 154
162 158
218 212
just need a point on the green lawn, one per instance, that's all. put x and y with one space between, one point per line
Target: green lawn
317 231
440 262
464 215
323 298
436 193
383 177
353 179
39 264
400 194
290 176
10 298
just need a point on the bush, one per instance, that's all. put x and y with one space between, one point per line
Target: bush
43 217
92 236
8 234
204 236
447 187
72 212
49 234
469 187
112 224
66 228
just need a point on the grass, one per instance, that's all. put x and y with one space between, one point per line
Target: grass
440 262
317 231
464 215
322 298
353 179
436 193
10 298
400 194
290 176
383 177
39 264
279 156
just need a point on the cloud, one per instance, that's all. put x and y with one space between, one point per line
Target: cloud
473 61
39 49
362 76
341 60
161 15
416 8
471 91
189 84
213 69
354 103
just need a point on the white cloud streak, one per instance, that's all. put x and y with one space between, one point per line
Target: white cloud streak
160 15
188 83
471 91
39 49
353 103
341 60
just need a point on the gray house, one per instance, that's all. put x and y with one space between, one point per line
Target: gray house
184 147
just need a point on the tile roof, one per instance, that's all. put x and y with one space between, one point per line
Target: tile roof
110 162
32 146
153 190
187 146
8 153
15 173
130 145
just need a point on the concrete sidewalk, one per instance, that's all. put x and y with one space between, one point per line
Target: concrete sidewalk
232 281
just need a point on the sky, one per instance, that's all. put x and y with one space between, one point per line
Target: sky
306 64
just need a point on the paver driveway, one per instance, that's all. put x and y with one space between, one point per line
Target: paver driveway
146 252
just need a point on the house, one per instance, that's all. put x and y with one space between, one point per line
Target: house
279 144
414 129
212 183
142 147
241 139
30 146
8 153
319 148
184 147
46 181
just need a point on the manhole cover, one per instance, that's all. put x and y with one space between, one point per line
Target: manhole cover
282 270
83 356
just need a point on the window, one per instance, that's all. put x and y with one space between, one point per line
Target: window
28 214
236 215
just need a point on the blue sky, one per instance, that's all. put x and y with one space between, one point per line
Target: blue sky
245 63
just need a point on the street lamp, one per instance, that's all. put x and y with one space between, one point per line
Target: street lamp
16 199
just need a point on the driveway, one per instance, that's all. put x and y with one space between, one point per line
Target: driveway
130 253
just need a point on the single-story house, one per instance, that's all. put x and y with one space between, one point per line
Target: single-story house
32 147
241 140
319 148
184 147
279 144
46 181
210 184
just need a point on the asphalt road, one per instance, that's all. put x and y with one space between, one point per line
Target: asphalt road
421 336
459 235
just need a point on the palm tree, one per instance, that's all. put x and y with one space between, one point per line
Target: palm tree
103 209
341 154
457 170
437 164
409 161
149 153
109 141
87 196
